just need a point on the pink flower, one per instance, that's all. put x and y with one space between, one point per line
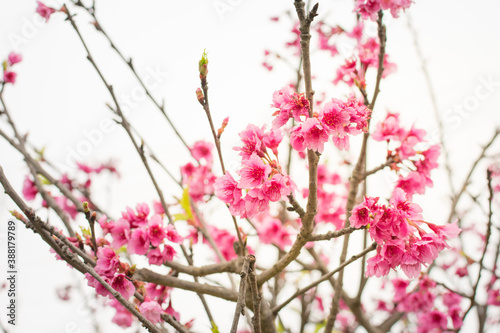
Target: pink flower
170 310
334 117
121 284
276 188
362 214
377 266
255 202
410 265
106 225
158 207
297 139
139 242
406 209
137 219
123 317
99 288
202 150
253 173
400 286
172 235
431 322
227 190
272 140
29 189
251 138
289 104
120 233
157 257
107 262
493 297
9 77
315 135
447 231
388 129
14 58
44 11
392 252
151 310
272 231
156 232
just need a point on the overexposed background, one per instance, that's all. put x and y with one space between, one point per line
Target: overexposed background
60 101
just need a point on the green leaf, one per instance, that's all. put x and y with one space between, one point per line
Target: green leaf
280 327
180 217
319 326
122 249
215 329
85 231
44 180
186 204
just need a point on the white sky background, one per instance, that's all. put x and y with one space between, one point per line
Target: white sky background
58 98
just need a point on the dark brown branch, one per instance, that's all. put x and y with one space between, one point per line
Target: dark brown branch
147 275
233 266
240 304
256 295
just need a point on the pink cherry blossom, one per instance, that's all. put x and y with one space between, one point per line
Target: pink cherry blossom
156 232
170 310
255 202
139 241
99 288
106 225
272 231
334 117
123 317
377 266
172 234
251 138
9 77
14 58
361 214
272 139
158 257
29 189
276 188
289 104
253 173
151 310
315 134
389 129
107 262
202 150
121 284
120 233
227 190
44 11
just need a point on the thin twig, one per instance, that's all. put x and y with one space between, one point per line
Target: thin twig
333 234
324 277
459 193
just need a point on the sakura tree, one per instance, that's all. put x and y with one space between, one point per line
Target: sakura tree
297 233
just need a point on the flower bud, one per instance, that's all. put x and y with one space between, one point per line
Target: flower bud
199 96
203 65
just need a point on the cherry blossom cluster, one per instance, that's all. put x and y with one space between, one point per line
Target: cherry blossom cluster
398 231
272 231
142 234
422 302
336 120
199 177
8 75
30 190
369 8
406 142
261 178
365 56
